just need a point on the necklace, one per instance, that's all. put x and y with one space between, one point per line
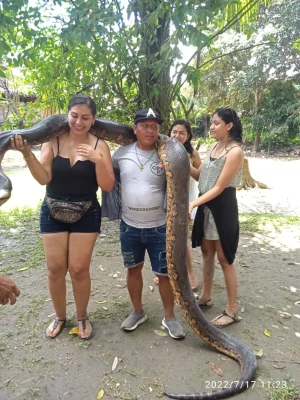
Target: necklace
217 146
223 141
141 166
211 159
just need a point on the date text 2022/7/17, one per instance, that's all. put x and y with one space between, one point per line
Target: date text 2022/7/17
249 384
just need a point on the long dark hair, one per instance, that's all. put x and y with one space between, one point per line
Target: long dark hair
187 144
83 99
228 115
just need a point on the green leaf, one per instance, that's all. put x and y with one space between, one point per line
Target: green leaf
160 333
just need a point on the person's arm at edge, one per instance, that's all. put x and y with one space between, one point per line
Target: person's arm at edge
41 170
9 291
195 167
104 169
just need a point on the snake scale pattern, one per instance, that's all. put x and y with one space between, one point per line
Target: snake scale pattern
176 165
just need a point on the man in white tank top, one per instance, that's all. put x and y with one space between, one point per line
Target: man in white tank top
143 223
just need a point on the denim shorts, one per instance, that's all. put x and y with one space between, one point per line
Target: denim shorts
135 242
89 223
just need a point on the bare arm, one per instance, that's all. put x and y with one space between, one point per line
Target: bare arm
40 170
102 159
195 167
196 160
195 172
233 163
104 170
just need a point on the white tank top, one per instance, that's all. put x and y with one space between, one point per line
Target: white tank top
143 186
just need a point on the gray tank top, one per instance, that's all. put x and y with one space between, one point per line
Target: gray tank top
211 170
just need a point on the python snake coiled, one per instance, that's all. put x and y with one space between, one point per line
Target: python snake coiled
176 164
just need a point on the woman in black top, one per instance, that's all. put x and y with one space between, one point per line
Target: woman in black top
72 166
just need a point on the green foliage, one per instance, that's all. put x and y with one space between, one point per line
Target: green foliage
20 227
288 392
24 116
17 218
257 75
266 222
120 53
278 114
131 55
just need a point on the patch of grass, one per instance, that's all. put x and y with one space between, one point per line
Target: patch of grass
27 320
8 270
103 253
33 392
28 363
19 217
156 388
83 344
36 305
117 388
36 254
284 390
120 304
265 222
98 314
295 350
113 240
29 256
2 346
249 333
20 226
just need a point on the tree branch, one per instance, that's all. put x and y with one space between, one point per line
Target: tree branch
230 23
234 52
118 88
122 29
223 55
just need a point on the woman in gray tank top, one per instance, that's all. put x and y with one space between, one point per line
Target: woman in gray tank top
216 227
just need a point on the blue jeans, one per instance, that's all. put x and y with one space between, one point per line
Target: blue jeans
89 223
135 242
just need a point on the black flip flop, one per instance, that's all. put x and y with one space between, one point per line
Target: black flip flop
84 327
234 320
205 304
55 325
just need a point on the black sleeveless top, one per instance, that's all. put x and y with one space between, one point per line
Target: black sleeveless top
77 181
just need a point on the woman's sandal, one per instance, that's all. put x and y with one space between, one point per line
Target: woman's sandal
204 305
84 328
234 320
55 325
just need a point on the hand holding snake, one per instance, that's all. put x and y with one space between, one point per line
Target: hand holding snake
17 143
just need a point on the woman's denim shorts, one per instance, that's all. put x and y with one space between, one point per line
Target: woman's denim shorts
89 223
135 242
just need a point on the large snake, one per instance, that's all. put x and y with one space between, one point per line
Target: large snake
176 164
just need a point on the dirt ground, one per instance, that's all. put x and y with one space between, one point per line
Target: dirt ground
268 263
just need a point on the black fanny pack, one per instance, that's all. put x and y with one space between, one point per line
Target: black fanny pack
67 211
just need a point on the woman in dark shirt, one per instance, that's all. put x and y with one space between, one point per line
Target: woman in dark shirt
72 166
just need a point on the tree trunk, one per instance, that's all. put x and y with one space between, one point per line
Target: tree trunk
154 75
247 181
256 143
